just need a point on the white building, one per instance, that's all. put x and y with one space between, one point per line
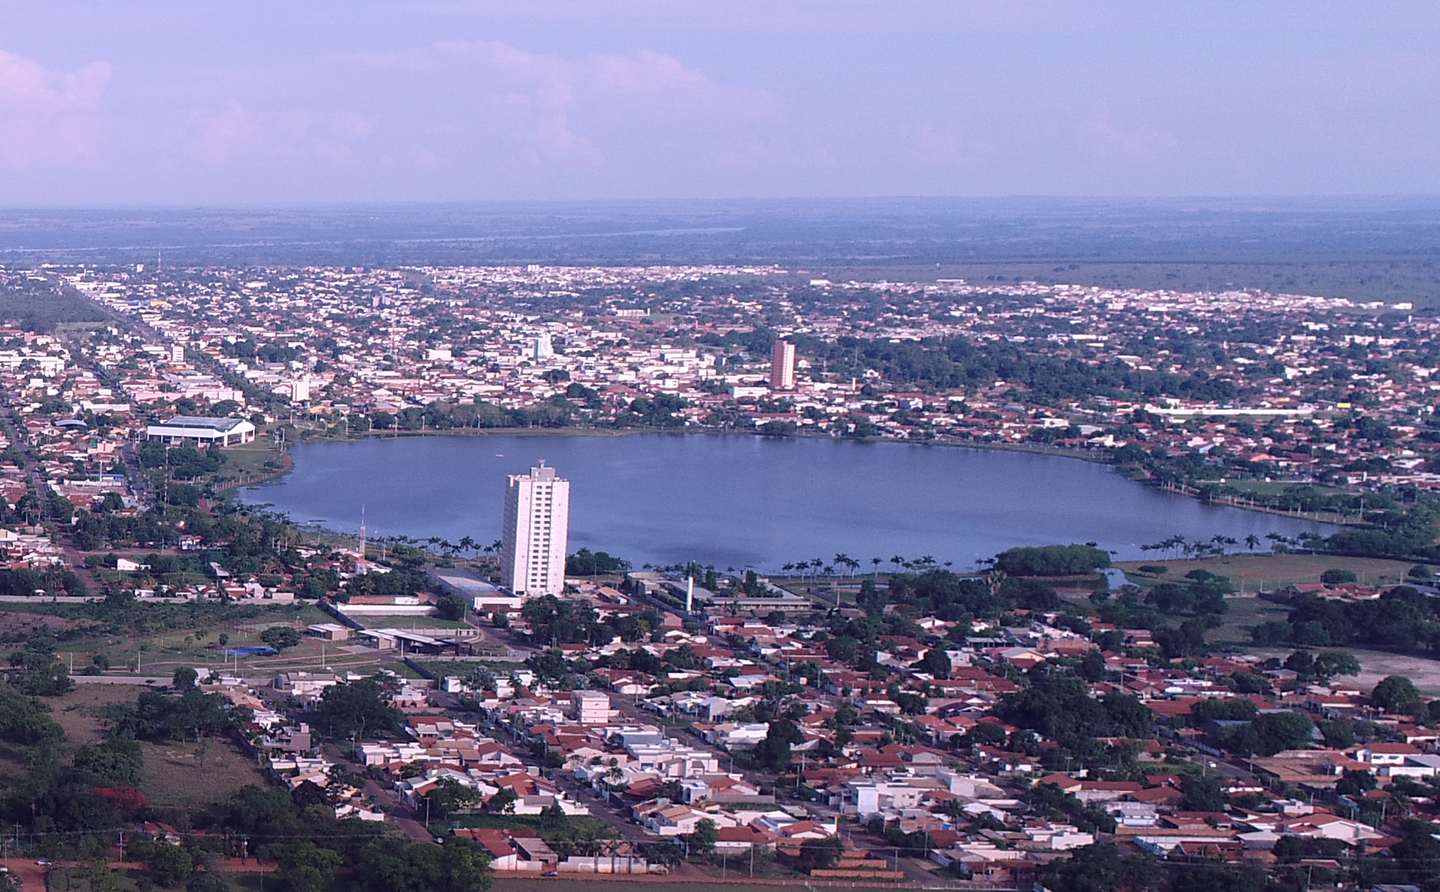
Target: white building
591 707
537 524
202 431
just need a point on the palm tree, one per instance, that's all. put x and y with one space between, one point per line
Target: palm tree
877 562
467 544
897 560
1251 541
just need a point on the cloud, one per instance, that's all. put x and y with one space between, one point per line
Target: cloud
237 132
1110 140
48 117
561 105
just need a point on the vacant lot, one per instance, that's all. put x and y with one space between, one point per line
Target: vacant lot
176 774
1272 571
191 774
1376 664
1243 615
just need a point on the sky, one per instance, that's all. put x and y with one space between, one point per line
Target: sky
254 102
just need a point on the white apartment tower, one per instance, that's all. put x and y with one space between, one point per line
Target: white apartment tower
782 366
537 525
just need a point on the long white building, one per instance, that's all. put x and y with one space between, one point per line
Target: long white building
537 526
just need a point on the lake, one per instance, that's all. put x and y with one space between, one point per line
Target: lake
743 501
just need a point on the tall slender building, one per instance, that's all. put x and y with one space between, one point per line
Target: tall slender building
782 366
537 526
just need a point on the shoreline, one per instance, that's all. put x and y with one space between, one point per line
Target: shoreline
1030 448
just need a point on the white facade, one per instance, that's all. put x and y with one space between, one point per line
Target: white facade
202 431
537 524
591 707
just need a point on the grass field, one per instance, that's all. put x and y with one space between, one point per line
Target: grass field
1271 571
249 460
1243 615
403 621
192 774
183 646
173 771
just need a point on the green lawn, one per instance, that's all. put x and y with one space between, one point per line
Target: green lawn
403 621
1271 571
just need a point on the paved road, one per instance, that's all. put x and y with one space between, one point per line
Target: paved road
400 814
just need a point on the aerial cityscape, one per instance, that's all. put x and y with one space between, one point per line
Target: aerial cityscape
490 447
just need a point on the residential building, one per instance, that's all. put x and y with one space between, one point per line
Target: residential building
782 366
537 521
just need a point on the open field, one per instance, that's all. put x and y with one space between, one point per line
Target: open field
173 772
1242 615
1376 664
249 460
406 621
171 769
1271 571
442 668
196 645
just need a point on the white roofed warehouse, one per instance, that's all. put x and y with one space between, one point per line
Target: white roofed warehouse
202 431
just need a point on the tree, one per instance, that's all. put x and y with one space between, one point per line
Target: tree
1352 783
1202 793
451 606
1100 868
1336 663
702 841
184 678
1395 693
502 802
280 637
1051 560
1335 576
774 751
169 865
450 795
821 853
1277 731
935 662
1338 735
347 708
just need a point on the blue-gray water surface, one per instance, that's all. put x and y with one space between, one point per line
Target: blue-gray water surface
741 501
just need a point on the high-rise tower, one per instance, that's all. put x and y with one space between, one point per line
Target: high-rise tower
537 525
782 366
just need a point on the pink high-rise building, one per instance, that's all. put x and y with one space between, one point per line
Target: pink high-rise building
782 366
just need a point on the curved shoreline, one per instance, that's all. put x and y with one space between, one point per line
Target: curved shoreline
1031 448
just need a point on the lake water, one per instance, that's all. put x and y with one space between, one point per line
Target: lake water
742 501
